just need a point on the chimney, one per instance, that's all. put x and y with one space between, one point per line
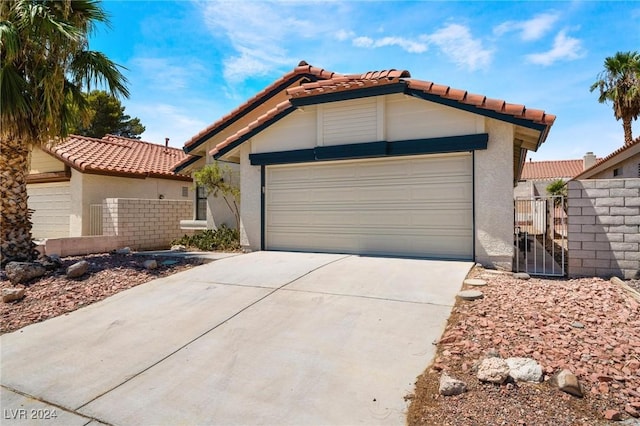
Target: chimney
588 160
166 142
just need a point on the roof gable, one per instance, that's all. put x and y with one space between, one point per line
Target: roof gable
117 156
375 83
612 159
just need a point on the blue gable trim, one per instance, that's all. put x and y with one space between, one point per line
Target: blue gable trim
374 150
279 88
253 132
187 164
385 89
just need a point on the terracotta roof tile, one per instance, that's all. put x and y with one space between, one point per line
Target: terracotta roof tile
331 82
115 155
558 169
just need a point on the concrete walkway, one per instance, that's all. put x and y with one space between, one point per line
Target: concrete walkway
261 338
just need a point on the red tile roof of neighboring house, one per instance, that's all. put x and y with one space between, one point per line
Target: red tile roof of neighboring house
635 142
340 83
118 156
558 169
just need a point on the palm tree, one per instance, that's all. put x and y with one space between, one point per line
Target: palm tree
620 84
45 66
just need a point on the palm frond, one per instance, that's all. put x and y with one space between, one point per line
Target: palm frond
91 68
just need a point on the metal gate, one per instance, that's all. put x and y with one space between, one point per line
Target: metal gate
540 235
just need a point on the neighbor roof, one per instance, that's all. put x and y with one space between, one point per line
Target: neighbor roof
386 82
612 159
118 156
558 169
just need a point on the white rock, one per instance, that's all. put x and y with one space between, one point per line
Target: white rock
522 276
178 247
524 370
494 370
450 386
125 250
568 382
12 294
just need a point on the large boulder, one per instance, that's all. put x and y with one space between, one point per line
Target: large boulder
78 269
21 272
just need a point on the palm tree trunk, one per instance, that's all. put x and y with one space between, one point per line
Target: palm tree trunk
626 125
15 224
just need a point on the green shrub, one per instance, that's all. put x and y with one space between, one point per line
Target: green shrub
223 238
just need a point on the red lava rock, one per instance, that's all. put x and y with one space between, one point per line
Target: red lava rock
612 415
631 411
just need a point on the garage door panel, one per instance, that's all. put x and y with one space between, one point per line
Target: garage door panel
414 206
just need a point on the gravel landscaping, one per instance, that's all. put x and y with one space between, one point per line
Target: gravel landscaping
55 294
589 326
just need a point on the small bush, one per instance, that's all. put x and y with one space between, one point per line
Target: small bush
223 238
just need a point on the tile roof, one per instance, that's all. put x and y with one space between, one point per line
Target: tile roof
333 83
540 170
118 156
301 70
600 162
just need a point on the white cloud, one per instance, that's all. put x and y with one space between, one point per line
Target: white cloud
156 116
256 30
343 35
405 44
564 48
456 42
532 29
166 74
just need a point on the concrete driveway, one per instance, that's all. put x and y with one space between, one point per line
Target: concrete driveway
261 338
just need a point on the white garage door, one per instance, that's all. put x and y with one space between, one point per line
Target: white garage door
51 202
409 206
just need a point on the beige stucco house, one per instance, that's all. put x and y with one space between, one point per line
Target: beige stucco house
376 164
68 178
622 163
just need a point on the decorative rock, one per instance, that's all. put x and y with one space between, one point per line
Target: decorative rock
20 272
150 264
178 247
470 295
568 382
78 269
613 415
521 276
12 294
631 411
577 324
125 250
524 370
494 370
492 353
475 282
450 386
51 263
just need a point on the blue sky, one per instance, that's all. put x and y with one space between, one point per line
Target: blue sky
190 62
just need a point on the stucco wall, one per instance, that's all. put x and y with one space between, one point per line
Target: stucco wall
493 197
41 162
145 224
493 167
604 228
630 168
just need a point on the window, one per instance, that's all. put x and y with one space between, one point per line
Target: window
617 172
201 204
185 191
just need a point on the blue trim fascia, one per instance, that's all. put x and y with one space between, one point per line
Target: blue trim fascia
263 208
439 145
279 88
187 164
356 150
378 149
476 110
385 89
253 132
283 157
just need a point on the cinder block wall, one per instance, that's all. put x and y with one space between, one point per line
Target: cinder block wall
145 224
604 228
